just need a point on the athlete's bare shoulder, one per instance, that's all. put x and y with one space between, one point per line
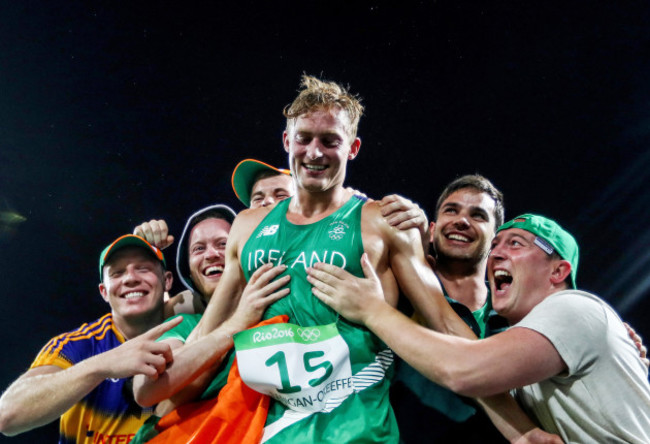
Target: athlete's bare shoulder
372 221
252 215
374 224
371 209
244 224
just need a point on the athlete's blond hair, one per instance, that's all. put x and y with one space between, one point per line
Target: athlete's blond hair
316 93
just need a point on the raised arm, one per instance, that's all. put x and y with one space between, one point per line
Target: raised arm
194 363
155 232
43 394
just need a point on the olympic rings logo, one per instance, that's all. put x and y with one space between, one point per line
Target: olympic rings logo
309 334
338 231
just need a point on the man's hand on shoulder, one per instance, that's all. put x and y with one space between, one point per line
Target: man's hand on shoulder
404 214
638 342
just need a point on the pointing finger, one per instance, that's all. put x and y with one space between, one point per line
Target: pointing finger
157 331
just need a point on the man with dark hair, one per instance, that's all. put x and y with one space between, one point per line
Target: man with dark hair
468 211
568 356
81 375
480 184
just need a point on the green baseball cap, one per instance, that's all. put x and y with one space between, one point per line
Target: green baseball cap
551 237
243 177
128 240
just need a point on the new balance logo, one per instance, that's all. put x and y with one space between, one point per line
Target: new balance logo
269 230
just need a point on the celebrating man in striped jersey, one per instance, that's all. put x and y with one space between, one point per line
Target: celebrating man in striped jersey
80 375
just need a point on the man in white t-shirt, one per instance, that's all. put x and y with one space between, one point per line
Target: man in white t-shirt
567 356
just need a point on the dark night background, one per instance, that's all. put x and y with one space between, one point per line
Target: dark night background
115 113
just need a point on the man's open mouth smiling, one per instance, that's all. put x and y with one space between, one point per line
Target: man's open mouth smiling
213 270
458 237
502 279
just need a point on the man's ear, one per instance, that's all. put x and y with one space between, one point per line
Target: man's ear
285 141
103 291
169 280
354 148
432 227
561 270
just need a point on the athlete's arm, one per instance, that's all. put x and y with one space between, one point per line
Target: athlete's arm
406 260
43 394
194 363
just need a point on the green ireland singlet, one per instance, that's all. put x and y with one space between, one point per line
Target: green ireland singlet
363 413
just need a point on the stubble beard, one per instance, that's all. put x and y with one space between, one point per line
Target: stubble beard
471 259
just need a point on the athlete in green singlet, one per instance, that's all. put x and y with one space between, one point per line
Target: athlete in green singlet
335 239
320 138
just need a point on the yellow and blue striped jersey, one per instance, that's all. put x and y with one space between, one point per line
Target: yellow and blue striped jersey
108 414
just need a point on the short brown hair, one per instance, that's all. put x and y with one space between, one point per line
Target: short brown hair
478 183
316 93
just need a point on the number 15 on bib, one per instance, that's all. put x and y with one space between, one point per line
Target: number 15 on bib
305 368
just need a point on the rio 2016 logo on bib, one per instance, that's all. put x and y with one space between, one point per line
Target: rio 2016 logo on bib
302 367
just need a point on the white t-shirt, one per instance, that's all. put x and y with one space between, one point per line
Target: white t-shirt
604 397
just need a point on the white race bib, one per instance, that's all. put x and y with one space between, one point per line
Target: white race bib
302 367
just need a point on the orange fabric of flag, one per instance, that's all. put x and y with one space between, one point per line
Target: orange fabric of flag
236 416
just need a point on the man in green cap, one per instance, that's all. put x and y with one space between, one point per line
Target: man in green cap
567 355
258 184
80 376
